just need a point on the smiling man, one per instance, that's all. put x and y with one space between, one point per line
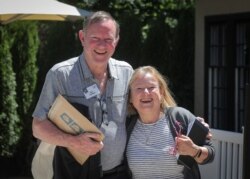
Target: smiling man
99 83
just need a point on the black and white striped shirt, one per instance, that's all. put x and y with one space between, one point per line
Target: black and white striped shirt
148 152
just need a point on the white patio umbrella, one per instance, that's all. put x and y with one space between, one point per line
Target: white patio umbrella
12 10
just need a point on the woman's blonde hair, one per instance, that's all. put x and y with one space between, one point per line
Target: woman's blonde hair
167 98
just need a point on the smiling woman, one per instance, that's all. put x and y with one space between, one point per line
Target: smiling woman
157 132
148 81
146 96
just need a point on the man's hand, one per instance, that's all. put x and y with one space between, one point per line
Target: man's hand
209 135
86 143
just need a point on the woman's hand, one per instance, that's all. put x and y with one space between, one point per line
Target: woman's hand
185 146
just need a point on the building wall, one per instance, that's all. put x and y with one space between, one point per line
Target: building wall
207 8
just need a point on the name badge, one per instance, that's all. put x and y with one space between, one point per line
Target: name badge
91 91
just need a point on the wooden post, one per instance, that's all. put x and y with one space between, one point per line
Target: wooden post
246 150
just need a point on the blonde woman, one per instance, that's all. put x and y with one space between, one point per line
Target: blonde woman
157 131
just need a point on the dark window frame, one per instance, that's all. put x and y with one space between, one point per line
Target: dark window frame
226 25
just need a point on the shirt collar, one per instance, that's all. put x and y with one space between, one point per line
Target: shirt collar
112 70
113 73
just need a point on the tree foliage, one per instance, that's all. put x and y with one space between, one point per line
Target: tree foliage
9 119
25 64
18 77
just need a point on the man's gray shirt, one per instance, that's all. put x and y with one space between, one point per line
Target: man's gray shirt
71 79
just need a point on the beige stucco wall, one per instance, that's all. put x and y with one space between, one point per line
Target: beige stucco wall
206 8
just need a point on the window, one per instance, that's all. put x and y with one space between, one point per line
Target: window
226 70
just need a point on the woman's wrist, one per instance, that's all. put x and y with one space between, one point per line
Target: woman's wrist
198 153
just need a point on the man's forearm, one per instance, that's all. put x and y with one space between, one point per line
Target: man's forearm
46 131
